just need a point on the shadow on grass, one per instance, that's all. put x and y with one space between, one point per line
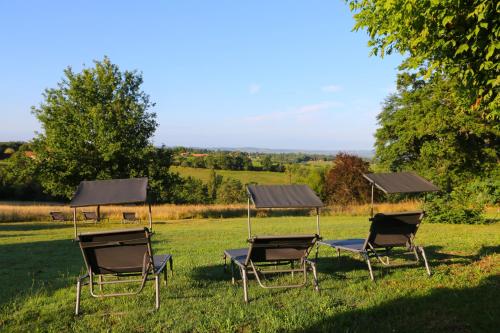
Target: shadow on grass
347 262
442 310
28 268
32 226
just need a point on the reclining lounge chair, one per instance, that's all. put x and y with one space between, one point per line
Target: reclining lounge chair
93 217
273 251
122 256
58 216
387 231
130 217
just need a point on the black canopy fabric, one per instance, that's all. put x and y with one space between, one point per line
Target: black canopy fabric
284 196
109 192
400 182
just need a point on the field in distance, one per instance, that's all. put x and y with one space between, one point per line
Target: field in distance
245 177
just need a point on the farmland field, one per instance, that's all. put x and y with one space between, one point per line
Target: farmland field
245 177
40 265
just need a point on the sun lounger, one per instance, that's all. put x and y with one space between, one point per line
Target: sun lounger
387 231
92 216
123 256
130 217
273 251
58 216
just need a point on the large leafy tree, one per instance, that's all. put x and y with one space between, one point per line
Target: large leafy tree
96 125
425 127
459 37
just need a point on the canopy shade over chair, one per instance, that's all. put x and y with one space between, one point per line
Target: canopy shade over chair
283 196
110 192
399 182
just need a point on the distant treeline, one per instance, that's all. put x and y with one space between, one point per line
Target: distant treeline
236 160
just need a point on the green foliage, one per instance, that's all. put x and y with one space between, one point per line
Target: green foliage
95 126
311 175
424 127
344 182
192 191
8 148
19 178
460 38
231 191
213 184
459 206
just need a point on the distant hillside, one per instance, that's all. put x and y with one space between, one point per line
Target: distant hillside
364 153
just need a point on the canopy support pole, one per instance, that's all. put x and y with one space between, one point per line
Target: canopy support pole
150 217
317 221
371 207
98 213
74 222
248 220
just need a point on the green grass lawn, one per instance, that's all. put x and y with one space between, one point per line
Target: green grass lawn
39 266
245 177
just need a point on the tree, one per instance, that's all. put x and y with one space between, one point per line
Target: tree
425 127
95 125
231 191
460 38
267 163
214 182
344 182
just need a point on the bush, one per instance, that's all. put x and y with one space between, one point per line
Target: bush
460 206
231 191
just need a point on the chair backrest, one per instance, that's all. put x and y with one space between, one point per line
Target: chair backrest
129 216
90 215
120 251
57 216
276 248
394 229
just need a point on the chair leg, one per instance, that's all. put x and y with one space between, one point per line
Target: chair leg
232 271
171 261
165 276
100 283
415 252
78 292
367 258
338 253
315 277
425 260
245 286
157 291
292 266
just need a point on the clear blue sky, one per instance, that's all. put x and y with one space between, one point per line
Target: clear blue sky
269 74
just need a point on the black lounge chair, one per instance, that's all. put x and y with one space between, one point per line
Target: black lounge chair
122 256
93 217
130 217
387 231
58 216
267 251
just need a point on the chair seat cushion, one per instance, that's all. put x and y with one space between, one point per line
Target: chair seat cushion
160 261
239 255
354 244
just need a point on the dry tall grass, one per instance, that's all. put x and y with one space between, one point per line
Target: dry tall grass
14 212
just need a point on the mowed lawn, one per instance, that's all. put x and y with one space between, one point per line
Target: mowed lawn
245 177
39 266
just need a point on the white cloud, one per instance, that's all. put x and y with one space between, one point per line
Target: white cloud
254 88
297 113
331 88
